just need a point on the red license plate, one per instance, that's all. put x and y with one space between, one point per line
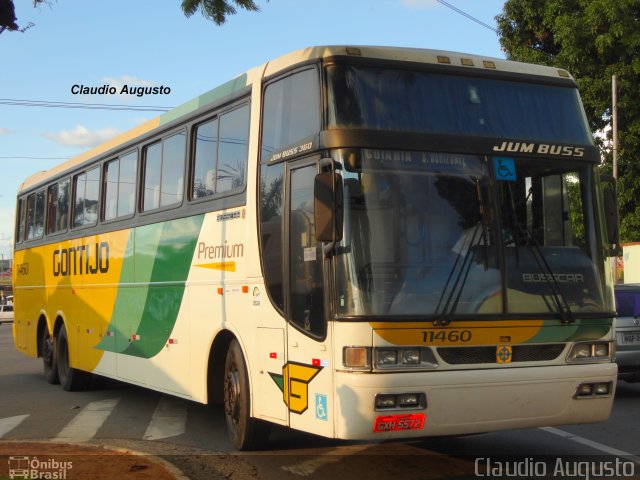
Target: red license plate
390 423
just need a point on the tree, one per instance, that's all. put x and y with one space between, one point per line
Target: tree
216 10
8 16
593 39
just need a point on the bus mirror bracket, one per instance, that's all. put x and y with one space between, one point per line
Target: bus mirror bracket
328 207
612 219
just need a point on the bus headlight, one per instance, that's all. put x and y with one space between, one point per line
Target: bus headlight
590 352
392 358
388 358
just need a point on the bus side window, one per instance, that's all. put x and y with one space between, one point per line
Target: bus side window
86 192
291 111
164 172
35 215
20 220
52 207
233 149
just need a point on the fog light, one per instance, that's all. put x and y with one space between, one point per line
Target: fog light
585 390
408 400
602 388
386 401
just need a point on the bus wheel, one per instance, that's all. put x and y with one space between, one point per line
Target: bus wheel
246 433
49 358
71 379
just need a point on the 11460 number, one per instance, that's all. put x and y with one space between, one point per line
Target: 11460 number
446 336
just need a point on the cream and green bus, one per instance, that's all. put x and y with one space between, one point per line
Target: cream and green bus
357 242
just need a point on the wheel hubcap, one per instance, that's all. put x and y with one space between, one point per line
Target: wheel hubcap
232 394
47 351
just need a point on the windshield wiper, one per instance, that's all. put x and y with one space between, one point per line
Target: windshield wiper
563 308
559 298
479 233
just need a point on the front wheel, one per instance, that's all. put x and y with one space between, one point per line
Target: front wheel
49 358
71 379
245 432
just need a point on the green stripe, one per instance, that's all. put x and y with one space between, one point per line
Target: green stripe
211 96
172 263
581 330
148 306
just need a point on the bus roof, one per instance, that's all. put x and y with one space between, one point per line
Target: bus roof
415 55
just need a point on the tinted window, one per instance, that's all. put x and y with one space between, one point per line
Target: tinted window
111 174
291 111
58 207
120 186
271 196
152 166
35 215
87 190
164 172
232 150
21 220
206 155
127 184
305 256
415 101
62 212
172 169
52 207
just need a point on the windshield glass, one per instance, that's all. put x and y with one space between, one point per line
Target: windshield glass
444 235
415 101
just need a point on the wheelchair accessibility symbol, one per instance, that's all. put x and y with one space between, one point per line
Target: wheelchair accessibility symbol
321 406
504 168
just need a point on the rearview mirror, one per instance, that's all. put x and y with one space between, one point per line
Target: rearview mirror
612 220
328 205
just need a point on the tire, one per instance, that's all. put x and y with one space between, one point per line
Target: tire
245 433
71 379
49 358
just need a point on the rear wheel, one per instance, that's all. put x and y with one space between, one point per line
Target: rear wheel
246 433
71 379
48 350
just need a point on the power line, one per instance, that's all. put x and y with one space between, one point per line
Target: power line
89 106
465 14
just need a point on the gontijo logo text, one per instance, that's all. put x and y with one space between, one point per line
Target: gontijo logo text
81 260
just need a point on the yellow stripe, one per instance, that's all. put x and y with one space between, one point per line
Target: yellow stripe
226 266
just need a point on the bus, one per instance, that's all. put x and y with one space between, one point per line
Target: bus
357 242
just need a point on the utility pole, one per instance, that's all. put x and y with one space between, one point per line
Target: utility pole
614 121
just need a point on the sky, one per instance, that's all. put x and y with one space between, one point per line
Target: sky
152 43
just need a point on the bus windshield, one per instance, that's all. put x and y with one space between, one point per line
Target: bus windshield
415 101
434 234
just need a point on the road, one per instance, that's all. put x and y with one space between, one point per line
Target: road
193 436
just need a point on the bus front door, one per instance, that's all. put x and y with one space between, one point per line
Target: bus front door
307 373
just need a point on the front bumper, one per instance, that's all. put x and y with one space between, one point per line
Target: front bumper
475 401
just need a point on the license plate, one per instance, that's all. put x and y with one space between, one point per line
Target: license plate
631 338
390 423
